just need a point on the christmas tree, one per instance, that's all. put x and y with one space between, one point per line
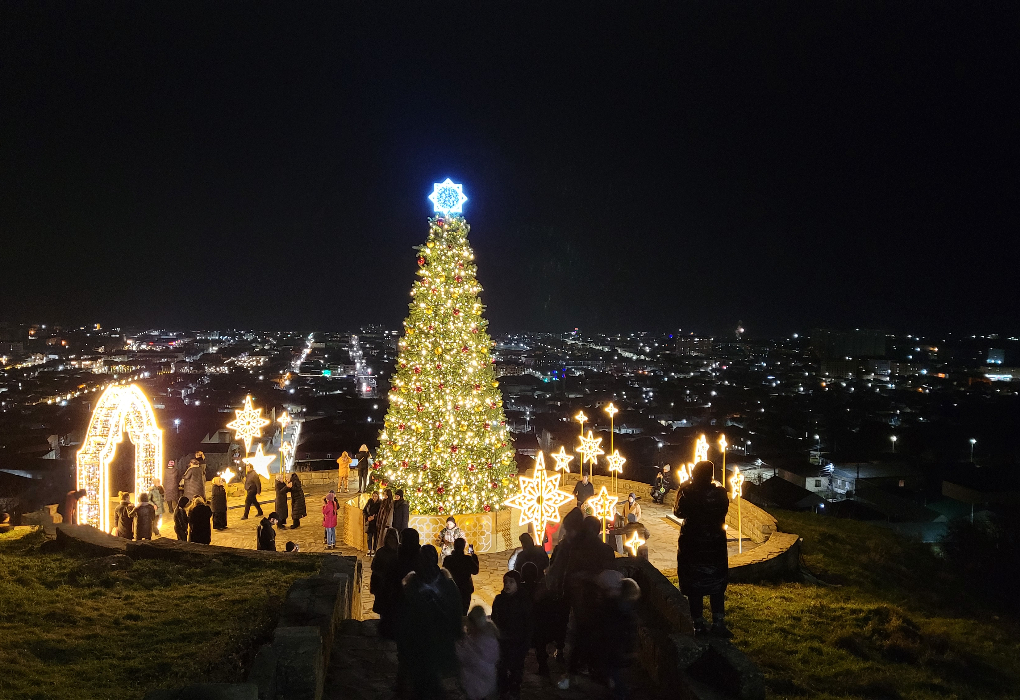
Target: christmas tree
445 440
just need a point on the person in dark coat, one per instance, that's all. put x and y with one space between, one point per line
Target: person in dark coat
661 484
701 558
511 612
200 522
145 518
364 462
617 633
282 511
430 624
462 566
385 585
181 519
252 490
583 490
122 517
384 519
171 483
71 505
298 507
193 481
265 535
533 553
401 511
219 503
371 513
409 554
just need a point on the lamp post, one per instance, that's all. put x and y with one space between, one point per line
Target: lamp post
973 442
893 438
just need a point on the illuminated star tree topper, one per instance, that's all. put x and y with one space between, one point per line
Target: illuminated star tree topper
540 498
448 197
248 424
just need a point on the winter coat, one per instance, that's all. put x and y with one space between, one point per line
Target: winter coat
447 537
219 498
617 633
181 524
194 482
265 536
364 462
158 501
200 524
298 508
512 615
629 509
534 554
371 510
589 556
329 513
123 519
171 484
384 518
478 654
281 500
401 515
145 517
430 623
583 492
343 468
701 559
252 482
384 584
462 567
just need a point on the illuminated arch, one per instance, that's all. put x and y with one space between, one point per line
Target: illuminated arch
120 409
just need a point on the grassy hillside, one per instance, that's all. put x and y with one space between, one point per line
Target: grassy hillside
68 634
887 620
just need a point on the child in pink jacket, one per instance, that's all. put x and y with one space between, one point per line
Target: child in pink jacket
330 509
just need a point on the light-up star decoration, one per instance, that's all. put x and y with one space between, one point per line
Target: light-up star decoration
447 197
562 459
227 475
683 474
590 449
248 424
616 461
540 498
634 543
260 462
737 484
603 505
701 450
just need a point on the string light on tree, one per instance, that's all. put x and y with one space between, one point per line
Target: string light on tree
562 459
444 439
260 462
634 543
248 424
540 498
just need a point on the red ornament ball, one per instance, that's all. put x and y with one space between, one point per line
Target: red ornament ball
487 508
458 279
421 261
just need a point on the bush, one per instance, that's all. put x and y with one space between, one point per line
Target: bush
986 554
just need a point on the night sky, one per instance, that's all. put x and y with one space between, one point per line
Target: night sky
266 165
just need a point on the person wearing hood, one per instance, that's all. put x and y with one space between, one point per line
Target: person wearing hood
343 472
252 490
145 518
193 481
511 613
265 535
478 653
533 553
298 507
401 511
181 519
385 585
200 522
364 459
371 515
123 517
430 625
157 497
282 511
701 559
449 535
462 566
384 519
661 484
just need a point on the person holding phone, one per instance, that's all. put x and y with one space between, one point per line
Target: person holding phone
462 567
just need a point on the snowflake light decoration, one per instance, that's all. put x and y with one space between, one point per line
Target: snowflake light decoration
590 449
540 498
248 424
447 197
562 460
616 461
260 462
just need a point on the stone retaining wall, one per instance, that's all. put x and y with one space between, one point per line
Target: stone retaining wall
778 558
757 524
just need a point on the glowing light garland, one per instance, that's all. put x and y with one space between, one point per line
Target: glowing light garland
119 409
447 197
248 424
563 460
260 462
540 497
634 543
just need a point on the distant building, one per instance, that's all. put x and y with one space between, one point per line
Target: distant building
845 345
996 356
690 345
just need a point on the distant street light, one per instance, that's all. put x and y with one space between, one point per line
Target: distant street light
893 438
972 443
177 425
